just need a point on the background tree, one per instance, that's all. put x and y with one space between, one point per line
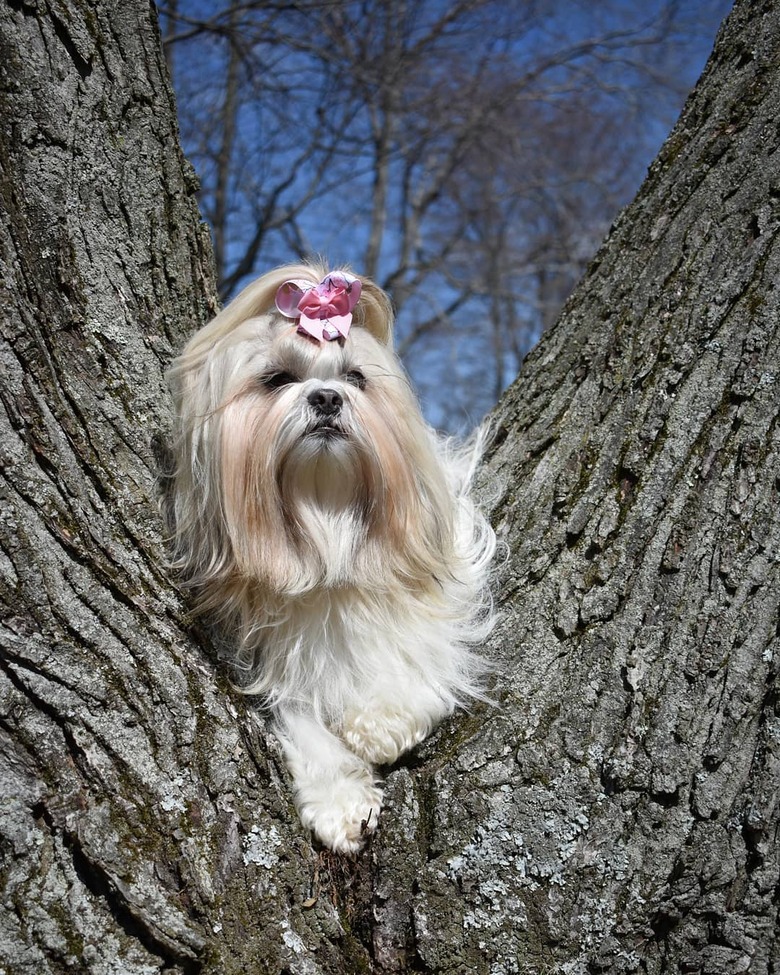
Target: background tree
618 811
468 155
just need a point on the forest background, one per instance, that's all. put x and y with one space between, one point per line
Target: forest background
470 156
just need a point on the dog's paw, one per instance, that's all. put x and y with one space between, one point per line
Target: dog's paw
380 736
340 811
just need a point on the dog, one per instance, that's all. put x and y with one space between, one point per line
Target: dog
330 531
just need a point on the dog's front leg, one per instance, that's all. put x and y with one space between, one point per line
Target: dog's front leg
385 726
336 792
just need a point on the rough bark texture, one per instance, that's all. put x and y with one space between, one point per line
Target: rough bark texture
618 810
143 826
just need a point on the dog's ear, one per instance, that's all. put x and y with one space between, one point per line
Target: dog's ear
374 312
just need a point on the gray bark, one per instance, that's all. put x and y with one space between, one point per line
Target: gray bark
618 809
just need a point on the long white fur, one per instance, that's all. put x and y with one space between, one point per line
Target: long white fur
352 570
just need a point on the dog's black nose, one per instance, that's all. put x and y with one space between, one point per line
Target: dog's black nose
326 402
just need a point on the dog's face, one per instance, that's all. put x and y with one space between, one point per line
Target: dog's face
306 462
306 402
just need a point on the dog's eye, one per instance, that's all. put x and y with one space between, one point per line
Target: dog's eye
277 380
356 378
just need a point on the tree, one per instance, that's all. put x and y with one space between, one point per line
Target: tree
467 155
618 810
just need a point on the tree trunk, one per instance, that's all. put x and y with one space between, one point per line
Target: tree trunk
618 809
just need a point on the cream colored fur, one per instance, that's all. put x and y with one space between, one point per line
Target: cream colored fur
349 563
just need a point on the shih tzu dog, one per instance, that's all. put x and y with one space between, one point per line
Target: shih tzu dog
330 530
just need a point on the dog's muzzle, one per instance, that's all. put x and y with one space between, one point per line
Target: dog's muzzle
326 402
326 405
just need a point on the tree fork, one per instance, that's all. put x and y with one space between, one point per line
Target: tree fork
618 810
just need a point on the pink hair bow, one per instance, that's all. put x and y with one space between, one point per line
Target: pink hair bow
324 309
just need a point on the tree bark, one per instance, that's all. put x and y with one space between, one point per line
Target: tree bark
617 810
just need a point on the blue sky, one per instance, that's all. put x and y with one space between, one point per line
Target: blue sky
588 129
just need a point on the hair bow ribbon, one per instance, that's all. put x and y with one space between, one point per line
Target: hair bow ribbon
324 309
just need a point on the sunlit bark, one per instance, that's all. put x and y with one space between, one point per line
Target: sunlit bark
617 810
